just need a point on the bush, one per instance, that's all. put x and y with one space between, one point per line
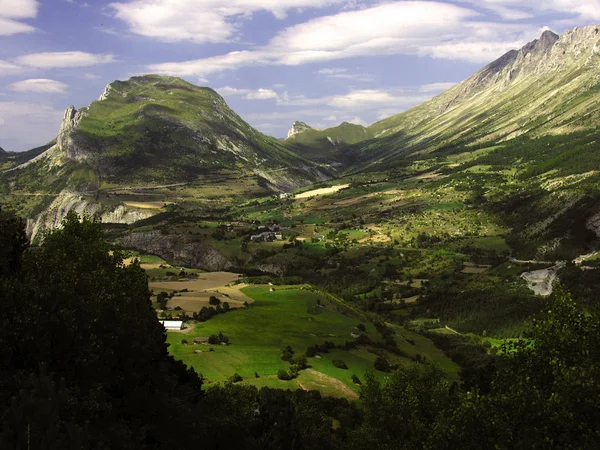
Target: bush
382 364
213 339
287 354
236 378
184 342
214 300
283 375
339 364
256 375
361 327
355 379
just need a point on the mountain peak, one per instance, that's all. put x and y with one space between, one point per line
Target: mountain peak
298 127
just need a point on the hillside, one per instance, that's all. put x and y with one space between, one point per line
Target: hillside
150 133
549 86
325 145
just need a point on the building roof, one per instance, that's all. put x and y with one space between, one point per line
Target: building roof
171 323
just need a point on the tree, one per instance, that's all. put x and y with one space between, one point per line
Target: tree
14 242
400 412
81 340
213 300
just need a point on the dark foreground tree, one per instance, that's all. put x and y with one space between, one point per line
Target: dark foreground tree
82 356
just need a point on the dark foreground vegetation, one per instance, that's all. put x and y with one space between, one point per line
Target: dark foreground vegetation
84 364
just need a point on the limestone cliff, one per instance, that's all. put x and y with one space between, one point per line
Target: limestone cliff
297 128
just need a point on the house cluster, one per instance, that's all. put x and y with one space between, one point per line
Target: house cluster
283 195
267 236
269 233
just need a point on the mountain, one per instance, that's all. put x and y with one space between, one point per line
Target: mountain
2 151
145 136
297 128
162 129
325 145
549 86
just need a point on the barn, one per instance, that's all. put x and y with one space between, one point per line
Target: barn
171 325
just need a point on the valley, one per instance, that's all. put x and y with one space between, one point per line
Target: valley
430 259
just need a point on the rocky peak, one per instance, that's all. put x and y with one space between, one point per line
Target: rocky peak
298 127
65 140
107 91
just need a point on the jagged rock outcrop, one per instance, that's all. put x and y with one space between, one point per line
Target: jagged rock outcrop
68 201
297 128
68 142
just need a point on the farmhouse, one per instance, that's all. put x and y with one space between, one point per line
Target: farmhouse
285 195
172 325
267 236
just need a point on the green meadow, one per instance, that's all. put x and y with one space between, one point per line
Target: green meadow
299 317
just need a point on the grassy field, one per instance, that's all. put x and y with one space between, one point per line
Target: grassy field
298 317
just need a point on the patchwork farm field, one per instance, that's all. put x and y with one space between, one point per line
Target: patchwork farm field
292 316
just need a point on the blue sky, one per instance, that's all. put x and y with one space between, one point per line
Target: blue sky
274 61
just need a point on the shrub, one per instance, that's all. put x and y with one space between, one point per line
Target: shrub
287 354
361 327
283 375
184 341
236 378
256 375
213 300
213 339
355 379
382 364
339 364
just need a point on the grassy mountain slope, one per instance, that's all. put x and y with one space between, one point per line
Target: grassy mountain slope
162 129
550 86
147 142
326 145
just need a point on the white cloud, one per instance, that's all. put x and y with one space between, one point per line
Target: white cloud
91 76
436 87
7 68
435 29
18 9
357 121
228 91
585 10
13 10
64 59
342 73
201 20
334 71
42 85
262 94
248 94
362 99
27 125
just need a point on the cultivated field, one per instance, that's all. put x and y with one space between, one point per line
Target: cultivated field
322 191
200 289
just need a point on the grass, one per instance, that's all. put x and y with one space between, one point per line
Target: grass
288 316
291 315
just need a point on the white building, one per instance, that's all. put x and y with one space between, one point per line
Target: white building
171 325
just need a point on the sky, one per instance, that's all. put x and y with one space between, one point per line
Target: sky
274 61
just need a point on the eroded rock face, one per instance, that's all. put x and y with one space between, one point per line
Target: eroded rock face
177 249
297 127
68 201
67 140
